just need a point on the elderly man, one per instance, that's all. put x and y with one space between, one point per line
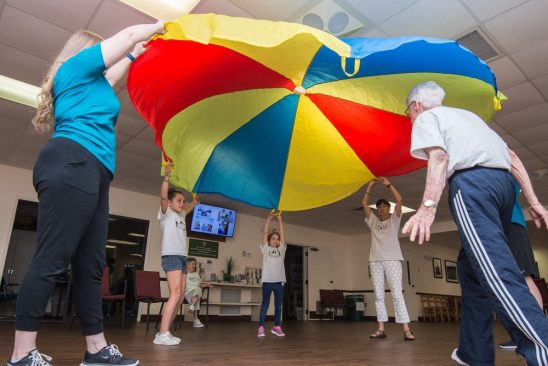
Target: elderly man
462 149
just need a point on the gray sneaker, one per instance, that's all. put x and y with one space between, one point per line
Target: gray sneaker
33 358
109 355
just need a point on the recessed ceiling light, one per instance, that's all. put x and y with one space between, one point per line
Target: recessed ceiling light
18 91
163 9
136 255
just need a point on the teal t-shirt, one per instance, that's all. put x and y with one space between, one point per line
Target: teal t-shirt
517 212
85 105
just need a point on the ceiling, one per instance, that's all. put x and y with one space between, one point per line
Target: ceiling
33 31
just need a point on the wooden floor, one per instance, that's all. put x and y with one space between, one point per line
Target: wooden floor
235 343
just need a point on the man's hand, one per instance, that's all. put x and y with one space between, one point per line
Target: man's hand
421 223
538 213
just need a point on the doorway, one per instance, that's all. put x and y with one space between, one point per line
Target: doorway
293 308
125 249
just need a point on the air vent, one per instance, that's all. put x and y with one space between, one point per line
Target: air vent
477 42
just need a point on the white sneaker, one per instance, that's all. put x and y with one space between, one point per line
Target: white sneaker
190 308
165 339
457 359
198 324
173 337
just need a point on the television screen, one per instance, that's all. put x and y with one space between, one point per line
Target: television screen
213 220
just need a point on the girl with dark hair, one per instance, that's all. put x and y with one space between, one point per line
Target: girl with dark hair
273 249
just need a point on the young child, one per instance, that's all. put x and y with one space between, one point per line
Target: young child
174 252
193 291
273 249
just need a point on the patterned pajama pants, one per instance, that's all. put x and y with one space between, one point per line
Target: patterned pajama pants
393 271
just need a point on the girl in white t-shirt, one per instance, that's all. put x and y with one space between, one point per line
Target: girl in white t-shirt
273 276
171 216
385 257
193 291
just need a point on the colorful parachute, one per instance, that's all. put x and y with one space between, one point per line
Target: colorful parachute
280 115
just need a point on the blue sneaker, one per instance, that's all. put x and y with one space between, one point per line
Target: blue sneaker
109 355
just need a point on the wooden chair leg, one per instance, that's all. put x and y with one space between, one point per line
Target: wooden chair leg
123 312
148 314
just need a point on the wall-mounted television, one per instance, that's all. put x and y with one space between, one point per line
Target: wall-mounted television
213 220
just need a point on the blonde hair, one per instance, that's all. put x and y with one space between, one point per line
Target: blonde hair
43 119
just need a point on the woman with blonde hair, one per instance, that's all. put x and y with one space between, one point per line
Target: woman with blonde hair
72 177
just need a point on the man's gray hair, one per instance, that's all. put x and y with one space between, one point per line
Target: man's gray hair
429 94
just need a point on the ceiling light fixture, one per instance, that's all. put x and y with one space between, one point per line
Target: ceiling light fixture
18 91
122 242
163 9
136 235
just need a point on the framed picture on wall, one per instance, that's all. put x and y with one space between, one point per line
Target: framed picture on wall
451 272
436 267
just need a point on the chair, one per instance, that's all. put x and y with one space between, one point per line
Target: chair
110 298
541 284
429 310
147 290
339 302
327 301
7 293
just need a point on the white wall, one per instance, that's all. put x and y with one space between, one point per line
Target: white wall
350 254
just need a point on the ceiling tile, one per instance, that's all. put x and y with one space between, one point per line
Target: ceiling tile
486 9
534 164
532 135
521 26
524 153
16 113
73 15
37 37
540 149
542 84
121 140
436 24
497 128
224 7
369 33
521 96
129 126
377 14
126 106
147 134
142 148
532 60
132 160
511 141
507 73
113 16
22 158
22 66
272 10
524 118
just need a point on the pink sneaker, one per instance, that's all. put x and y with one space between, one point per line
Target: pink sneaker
277 330
260 332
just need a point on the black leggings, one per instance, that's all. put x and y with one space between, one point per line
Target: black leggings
72 187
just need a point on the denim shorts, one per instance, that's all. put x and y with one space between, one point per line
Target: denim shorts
174 263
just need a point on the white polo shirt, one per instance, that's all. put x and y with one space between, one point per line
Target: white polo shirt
466 138
174 232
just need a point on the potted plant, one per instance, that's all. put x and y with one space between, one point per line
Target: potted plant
230 266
